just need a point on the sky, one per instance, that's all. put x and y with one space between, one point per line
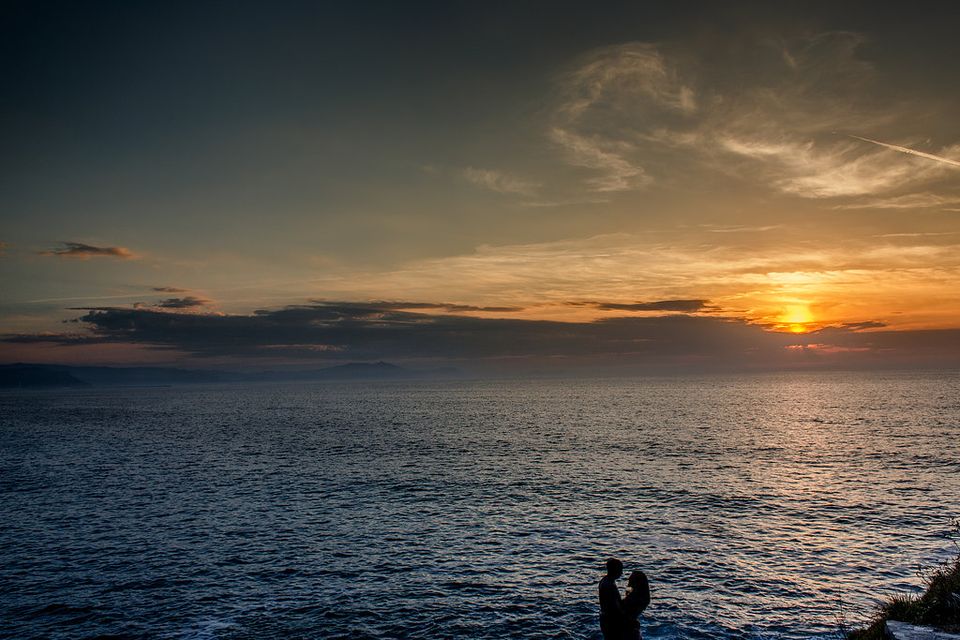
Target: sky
491 184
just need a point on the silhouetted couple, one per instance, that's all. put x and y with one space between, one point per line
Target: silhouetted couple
619 617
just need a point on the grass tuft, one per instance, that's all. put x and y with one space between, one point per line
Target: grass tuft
938 606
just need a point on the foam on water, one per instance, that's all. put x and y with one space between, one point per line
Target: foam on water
471 509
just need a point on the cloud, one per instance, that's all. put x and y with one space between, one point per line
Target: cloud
342 331
765 112
500 182
924 200
168 289
83 251
860 326
564 202
825 170
385 305
617 173
62 339
739 228
681 306
365 331
917 234
186 302
914 152
631 82
900 280
781 124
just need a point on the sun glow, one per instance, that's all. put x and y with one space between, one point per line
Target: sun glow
797 318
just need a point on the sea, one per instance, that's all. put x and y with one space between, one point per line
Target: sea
760 506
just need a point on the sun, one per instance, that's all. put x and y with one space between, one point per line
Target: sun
797 317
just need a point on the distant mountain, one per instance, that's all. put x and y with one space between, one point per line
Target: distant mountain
26 375
121 376
356 370
43 375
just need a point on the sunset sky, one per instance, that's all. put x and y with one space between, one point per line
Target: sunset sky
631 184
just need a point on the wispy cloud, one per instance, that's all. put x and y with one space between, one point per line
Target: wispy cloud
813 170
741 228
917 234
168 289
609 159
924 200
500 182
633 80
565 202
83 251
913 152
632 112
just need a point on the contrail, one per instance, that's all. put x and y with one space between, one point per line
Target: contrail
913 152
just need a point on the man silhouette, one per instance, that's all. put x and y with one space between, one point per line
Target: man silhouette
611 609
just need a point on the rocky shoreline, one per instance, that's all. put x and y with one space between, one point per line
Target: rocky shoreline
932 615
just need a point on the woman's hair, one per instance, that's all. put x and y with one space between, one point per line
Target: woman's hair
637 580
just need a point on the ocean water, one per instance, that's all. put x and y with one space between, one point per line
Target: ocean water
760 506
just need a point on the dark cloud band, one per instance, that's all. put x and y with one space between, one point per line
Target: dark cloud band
365 331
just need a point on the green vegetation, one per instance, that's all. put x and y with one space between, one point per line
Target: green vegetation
938 606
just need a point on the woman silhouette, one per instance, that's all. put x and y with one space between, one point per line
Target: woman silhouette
636 600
